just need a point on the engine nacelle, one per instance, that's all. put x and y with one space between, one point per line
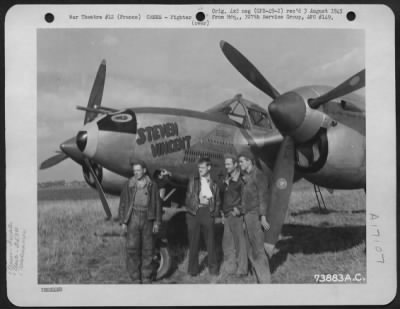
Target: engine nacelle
336 156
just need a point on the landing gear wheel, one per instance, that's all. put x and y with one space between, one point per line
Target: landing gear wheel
163 262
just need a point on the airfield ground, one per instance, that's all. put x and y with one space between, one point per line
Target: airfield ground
72 247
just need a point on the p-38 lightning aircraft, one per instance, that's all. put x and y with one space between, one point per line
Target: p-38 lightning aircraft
316 133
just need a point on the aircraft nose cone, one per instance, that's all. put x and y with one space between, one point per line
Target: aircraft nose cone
81 140
70 148
287 111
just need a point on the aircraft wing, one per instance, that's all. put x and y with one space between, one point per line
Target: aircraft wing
354 101
98 110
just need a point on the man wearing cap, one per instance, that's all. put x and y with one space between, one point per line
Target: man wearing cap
203 204
233 242
254 201
140 217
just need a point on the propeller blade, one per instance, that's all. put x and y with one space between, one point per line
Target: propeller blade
97 92
354 83
53 161
99 190
281 189
248 70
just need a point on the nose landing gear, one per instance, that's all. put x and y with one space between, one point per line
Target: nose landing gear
162 258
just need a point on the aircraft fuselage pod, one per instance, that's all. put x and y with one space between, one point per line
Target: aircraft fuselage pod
162 138
330 143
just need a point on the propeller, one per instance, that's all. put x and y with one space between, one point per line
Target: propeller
288 112
99 189
53 161
96 95
282 181
283 171
97 92
248 70
354 83
70 148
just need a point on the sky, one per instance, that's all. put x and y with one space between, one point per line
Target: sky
181 68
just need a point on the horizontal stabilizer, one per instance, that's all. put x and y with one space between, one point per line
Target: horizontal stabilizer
98 110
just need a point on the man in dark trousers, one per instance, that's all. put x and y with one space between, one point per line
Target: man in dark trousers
254 201
140 217
203 204
233 242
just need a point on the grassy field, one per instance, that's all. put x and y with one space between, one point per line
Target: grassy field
74 248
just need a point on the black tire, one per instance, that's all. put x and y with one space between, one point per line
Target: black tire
163 262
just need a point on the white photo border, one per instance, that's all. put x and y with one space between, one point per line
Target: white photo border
21 24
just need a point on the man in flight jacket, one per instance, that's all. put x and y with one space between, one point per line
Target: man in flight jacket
140 217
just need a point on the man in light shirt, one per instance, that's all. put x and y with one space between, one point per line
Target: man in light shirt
203 204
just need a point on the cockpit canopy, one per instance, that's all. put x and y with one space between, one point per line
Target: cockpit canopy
246 114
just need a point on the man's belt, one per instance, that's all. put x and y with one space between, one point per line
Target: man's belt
140 208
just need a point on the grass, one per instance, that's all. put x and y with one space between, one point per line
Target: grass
63 193
72 249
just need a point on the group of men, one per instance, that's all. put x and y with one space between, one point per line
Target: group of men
239 201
